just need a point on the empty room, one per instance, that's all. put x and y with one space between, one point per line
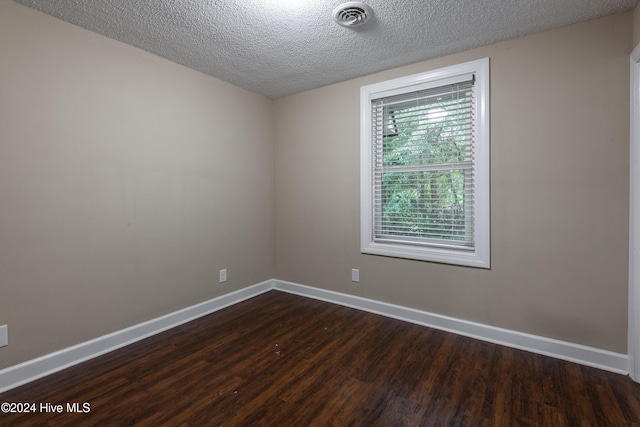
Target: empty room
320 213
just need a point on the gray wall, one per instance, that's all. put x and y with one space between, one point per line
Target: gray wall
636 25
126 183
559 191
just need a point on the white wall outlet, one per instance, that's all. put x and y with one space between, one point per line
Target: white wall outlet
4 336
223 275
355 275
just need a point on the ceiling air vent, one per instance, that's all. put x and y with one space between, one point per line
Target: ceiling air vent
352 14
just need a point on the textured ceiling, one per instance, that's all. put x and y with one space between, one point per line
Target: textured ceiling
281 47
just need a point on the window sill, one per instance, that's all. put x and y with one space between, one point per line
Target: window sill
466 258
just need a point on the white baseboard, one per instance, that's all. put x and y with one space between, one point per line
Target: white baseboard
31 370
589 356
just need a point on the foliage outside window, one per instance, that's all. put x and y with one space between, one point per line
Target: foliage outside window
425 166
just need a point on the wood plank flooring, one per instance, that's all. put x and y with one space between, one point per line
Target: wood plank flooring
285 360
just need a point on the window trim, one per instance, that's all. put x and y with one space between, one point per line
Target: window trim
480 256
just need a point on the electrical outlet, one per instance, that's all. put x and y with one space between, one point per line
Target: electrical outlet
4 336
355 275
223 275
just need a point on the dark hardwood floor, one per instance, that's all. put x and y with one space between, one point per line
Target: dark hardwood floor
284 360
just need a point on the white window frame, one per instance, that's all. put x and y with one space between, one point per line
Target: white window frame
480 256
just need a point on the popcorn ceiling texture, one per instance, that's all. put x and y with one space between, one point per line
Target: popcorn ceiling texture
281 47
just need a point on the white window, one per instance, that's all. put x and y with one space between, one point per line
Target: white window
425 166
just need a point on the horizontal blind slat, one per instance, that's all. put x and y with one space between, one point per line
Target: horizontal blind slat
423 158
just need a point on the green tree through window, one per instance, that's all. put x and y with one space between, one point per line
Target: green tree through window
427 160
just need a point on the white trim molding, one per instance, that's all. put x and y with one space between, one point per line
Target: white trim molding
584 355
34 369
633 336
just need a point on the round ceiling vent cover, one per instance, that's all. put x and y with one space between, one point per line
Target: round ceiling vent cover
352 14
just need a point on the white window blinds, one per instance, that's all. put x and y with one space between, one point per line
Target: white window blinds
423 166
